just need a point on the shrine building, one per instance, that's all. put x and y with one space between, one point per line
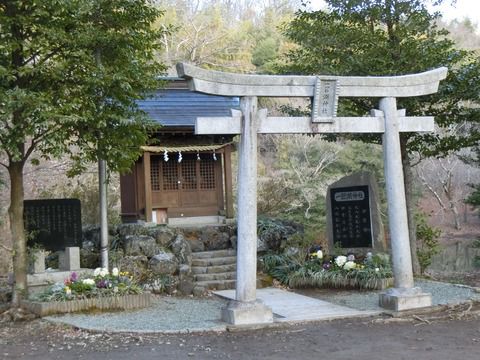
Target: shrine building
181 176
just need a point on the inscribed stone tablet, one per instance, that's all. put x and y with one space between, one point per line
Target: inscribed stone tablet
351 216
53 223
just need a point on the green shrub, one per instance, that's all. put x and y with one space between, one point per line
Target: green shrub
298 271
427 241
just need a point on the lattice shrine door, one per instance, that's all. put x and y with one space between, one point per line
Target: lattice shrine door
191 187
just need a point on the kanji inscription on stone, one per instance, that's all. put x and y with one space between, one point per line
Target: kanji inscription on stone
351 223
325 101
53 223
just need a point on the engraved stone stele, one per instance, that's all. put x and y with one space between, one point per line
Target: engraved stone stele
353 214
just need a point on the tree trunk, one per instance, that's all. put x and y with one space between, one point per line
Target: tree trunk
15 213
409 197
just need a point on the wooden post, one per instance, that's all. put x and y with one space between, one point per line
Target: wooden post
148 186
227 167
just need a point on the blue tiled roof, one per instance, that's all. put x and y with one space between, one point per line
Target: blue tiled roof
180 107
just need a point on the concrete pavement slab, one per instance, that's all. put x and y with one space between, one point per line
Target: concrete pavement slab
292 307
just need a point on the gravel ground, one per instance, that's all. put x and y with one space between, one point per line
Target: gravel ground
442 293
184 315
167 314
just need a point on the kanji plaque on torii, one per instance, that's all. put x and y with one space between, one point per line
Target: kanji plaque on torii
326 92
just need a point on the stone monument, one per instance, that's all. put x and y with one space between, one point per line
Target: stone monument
353 215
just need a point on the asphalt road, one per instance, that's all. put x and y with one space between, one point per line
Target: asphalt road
372 339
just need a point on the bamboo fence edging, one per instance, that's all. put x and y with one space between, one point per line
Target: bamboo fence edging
124 302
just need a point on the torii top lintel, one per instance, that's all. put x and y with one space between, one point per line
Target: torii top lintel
230 84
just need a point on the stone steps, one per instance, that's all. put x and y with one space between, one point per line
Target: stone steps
214 270
214 254
215 285
227 260
218 276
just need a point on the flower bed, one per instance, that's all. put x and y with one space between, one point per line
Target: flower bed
122 302
317 270
103 291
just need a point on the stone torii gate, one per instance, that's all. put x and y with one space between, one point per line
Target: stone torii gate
325 91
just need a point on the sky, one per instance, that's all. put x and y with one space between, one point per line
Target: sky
462 9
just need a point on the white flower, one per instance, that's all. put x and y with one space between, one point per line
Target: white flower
88 282
115 271
103 272
377 269
320 254
349 265
340 260
96 272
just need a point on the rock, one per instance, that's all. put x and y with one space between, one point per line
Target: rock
196 245
261 245
192 235
214 239
199 291
186 281
134 265
233 241
163 263
184 269
277 234
140 245
89 245
163 235
181 248
91 236
186 286
124 230
89 259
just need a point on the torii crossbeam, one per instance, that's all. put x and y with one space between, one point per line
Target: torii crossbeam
325 91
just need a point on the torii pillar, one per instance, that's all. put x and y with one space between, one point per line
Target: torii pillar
325 91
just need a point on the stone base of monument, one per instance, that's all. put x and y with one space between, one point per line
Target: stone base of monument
399 299
247 313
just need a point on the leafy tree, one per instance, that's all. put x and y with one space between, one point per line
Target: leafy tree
70 72
392 37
